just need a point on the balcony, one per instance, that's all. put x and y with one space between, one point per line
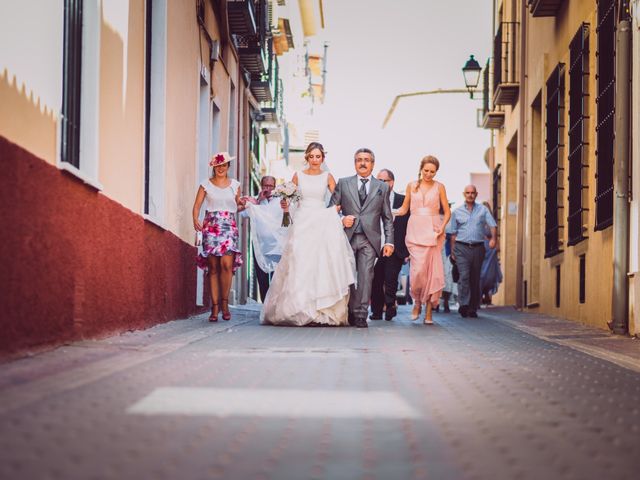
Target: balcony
242 17
493 120
544 8
252 55
261 89
506 85
264 86
273 110
492 117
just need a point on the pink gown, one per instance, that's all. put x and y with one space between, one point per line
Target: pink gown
426 274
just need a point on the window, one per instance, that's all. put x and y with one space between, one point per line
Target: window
71 83
583 279
147 99
155 109
578 116
554 149
605 102
558 289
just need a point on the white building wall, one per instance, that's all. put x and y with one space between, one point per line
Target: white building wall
37 26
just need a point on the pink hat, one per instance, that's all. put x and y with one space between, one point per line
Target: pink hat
220 159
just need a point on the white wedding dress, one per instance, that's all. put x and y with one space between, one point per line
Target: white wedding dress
311 282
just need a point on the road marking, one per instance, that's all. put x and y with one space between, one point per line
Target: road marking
274 403
285 353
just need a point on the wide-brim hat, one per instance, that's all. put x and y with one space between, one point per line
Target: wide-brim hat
220 158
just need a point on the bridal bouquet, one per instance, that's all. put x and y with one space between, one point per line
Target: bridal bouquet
287 191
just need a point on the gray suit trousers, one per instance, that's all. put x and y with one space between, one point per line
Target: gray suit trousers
469 260
366 256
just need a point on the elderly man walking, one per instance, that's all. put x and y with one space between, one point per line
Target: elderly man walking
467 228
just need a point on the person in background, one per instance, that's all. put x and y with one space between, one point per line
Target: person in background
468 224
265 229
449 284
490 272
387 269
221 254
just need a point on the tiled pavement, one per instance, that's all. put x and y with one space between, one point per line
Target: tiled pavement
500 397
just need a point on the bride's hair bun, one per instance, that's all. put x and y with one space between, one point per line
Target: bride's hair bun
313 146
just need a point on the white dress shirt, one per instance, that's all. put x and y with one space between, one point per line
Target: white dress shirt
367 186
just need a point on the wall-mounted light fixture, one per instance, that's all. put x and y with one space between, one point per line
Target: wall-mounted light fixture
471 72
258 116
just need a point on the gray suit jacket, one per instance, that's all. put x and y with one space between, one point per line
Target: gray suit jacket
376 207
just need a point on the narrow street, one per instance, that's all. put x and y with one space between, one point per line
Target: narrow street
504 396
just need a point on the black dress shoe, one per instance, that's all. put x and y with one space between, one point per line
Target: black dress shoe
473 314
463 311
375 316
361 323
391 312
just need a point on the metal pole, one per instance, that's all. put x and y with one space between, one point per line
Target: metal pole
521 158
415 94
620 322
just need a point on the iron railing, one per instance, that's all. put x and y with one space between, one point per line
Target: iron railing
578 134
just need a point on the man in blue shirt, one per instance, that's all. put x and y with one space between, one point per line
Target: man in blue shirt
468 226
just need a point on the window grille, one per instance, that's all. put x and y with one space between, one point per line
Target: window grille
71 83
578 134
497 194
605 102
554 170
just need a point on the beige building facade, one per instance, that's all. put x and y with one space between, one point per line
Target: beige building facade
551 90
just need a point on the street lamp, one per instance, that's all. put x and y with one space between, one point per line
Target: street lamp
471 72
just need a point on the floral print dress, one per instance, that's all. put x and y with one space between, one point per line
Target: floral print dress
219 229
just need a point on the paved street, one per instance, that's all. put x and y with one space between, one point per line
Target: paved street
500 397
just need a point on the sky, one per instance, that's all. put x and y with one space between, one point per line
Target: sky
379 49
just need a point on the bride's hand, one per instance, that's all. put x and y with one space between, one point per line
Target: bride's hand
284 205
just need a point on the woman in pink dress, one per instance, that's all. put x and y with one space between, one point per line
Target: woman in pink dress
425 237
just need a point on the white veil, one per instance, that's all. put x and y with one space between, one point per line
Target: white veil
267 235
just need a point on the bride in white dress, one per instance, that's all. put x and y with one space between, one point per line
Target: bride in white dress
311 283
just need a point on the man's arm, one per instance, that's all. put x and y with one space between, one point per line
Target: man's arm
387 222
452 242
493 242
336 196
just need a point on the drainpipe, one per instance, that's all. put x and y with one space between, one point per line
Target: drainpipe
620 321
521 158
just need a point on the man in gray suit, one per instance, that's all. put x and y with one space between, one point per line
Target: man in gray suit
364 202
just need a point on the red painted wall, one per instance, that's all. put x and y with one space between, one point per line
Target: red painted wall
75 264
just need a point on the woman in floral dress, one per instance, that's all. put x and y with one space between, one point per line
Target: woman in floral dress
220 254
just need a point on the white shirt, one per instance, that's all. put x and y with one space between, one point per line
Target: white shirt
220 199
368 184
